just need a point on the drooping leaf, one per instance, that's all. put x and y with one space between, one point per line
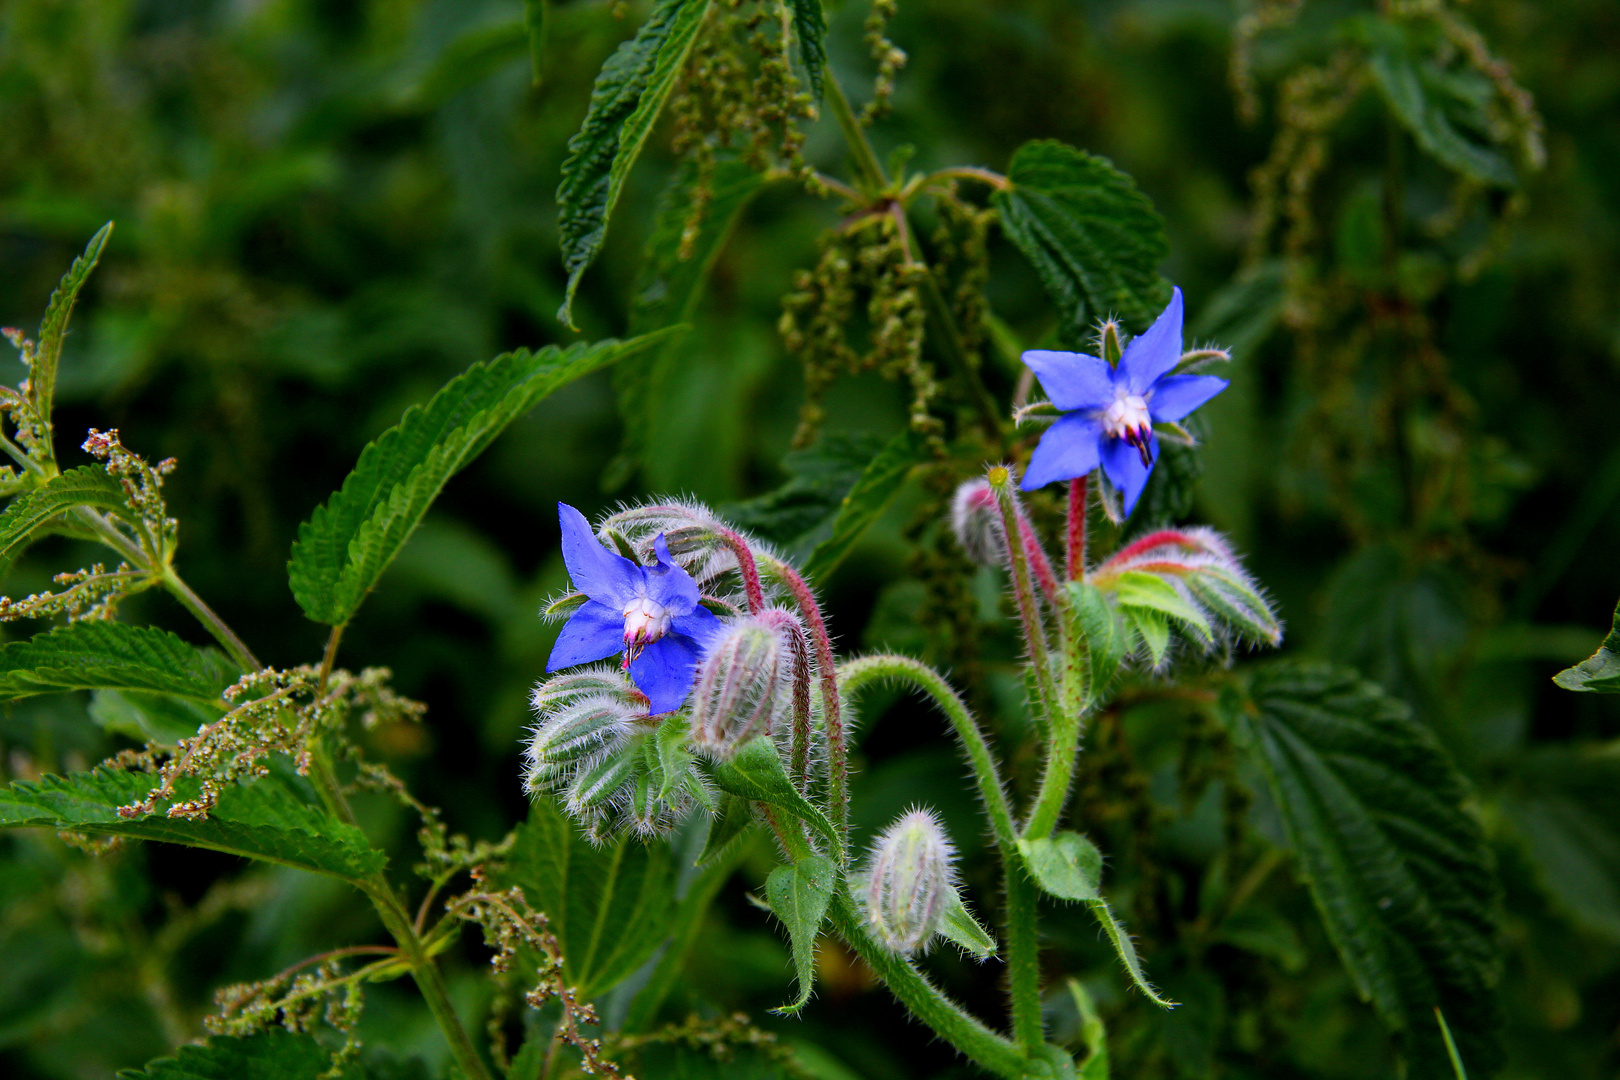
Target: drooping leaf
276 1054
1095 240
731 820
667 291
88 485
799 895
865 503
609 906
534 21
961 929
1436 105
810 27
347 543
266 819
1399 871
53 329
756 773
1092 1032
1142 590
1598 673
1125 949
99 655
628 96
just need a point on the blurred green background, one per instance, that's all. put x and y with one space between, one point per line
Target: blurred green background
326 209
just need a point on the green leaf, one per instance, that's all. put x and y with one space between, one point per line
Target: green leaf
667 291
1097 631
961 929
276 1054
53 329
728 823
99 655
1433 104
347 543
609 906
628 96
33 510
1126 950
756 773
799 514
155 718
799 895
534 21
1600 672
1095 240
1142 590
1399 871
865 502
266 819
1153 629
810 27
1092 1033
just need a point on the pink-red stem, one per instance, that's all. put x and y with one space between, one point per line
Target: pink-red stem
1077 527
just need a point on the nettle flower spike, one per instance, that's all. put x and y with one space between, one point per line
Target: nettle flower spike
650 615
1109 409
910 880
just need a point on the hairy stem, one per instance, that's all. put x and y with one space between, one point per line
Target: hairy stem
747 568
1076 533
1029 612
1023 958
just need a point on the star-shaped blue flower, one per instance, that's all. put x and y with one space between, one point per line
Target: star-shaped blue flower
650 614
1109 412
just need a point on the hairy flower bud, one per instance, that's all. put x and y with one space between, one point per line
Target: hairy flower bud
910 875
603 783
564 738
976 520
743 684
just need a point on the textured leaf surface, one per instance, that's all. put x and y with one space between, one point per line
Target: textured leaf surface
157 718
961 929
865 503
1600 672
266 819
810 27
629 94
1095 240
347 543
88 485
800 513
97 655
276 1054
609 906
756 774
53 329
799 895
1400 873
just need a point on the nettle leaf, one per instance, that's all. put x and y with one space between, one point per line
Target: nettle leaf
628 96
267 819
276 1054
1399 871
667 291
1069 867
609 906
799 895
347 543
1095 240
865 503
53 329
756 774
99 655
810 27
37 508
1600 672
961 929
1440 108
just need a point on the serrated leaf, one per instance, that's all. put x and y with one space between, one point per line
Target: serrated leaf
275 1054
799 895
756 773
625 102
53 328
1066 865
667 291
1600 672
609 906
1142 590
1400 873
810 27
33 510
865 503
347 543
98 655
266 819
1094 239
1428 101
961 929
800 513
534 22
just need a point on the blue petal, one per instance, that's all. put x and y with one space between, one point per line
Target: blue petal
699 624
591 633
1176 396
1123 464
664 671
1068 449
1151 354
603 575
668 584
1072 380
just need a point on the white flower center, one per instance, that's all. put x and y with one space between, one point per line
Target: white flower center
1127 416
645 621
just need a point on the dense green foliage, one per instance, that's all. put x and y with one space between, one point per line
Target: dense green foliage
351 243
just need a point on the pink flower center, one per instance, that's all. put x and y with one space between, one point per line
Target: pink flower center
645 621
1127 418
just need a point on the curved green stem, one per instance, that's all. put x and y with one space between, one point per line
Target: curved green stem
1023 958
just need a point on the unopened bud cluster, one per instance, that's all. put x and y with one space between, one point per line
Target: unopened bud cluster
745 684
910 881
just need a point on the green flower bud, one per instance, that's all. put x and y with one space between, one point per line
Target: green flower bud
743 684
909 879
563 739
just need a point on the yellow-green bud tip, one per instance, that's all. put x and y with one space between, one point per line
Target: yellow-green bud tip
998 476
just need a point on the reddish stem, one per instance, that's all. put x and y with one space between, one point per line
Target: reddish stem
745 566
1078 504
1151 541
784 623
1039 564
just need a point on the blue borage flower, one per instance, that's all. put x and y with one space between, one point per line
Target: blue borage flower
1109 412
650 614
